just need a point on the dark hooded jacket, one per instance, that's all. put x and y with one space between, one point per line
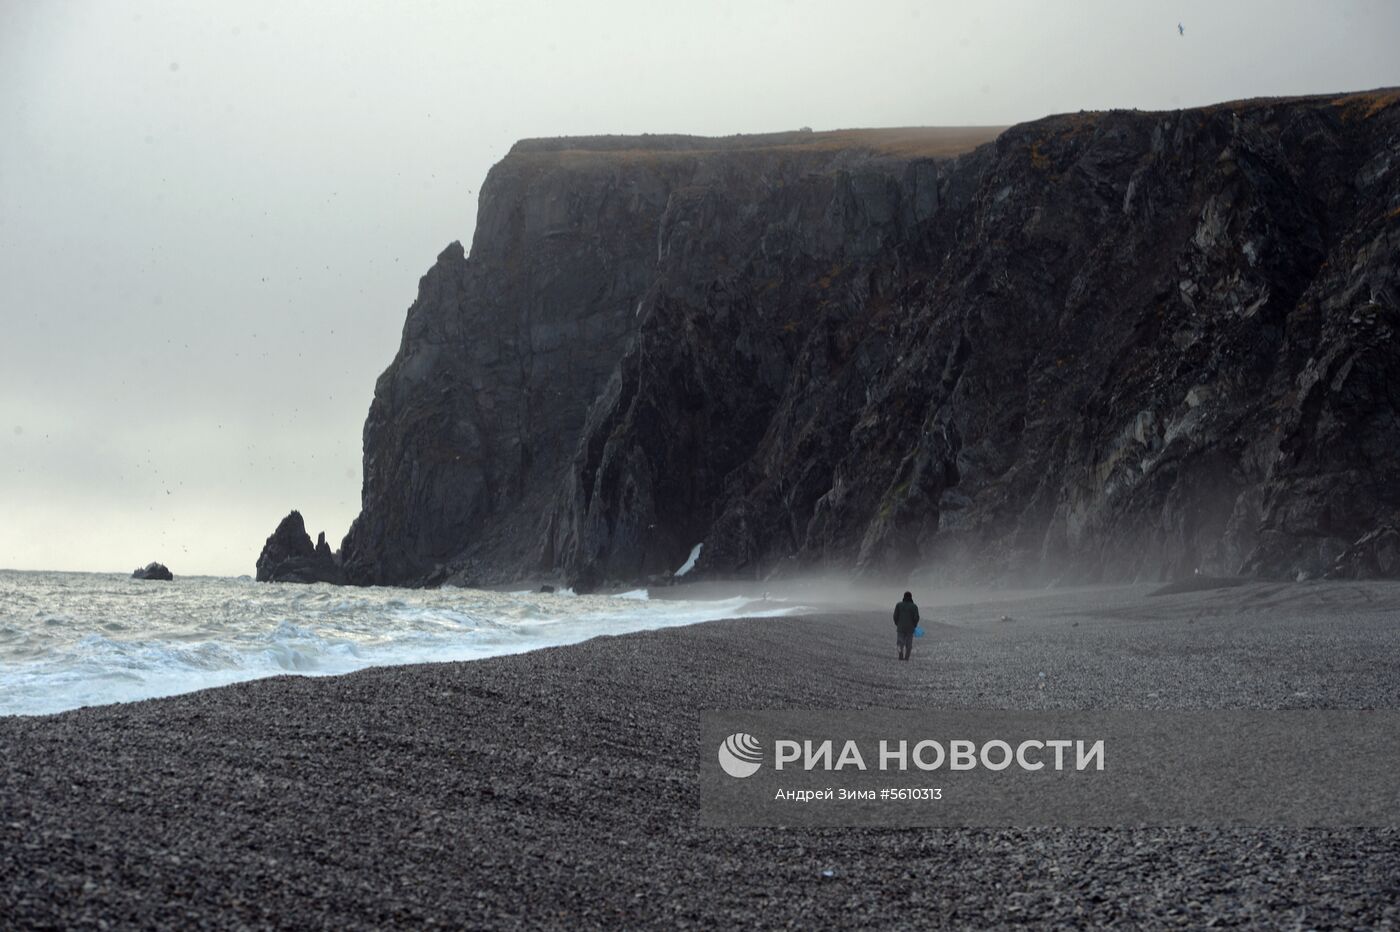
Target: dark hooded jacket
906 616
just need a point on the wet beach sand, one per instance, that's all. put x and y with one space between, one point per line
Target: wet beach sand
559 787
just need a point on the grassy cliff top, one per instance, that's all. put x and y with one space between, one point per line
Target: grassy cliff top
905 141
910 141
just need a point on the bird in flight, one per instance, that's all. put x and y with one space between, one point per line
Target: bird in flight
1180 29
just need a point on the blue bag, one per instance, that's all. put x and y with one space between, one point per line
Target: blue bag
918 632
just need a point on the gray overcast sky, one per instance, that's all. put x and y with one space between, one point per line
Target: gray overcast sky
214 215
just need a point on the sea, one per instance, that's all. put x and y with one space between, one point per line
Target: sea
69 640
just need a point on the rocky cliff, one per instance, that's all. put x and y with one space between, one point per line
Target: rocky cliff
289 556
1094 347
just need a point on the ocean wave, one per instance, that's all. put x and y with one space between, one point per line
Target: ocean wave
98 639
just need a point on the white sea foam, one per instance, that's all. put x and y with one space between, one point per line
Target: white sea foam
690 561
75 639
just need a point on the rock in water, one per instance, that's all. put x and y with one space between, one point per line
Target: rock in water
1098 346
288 556
152 571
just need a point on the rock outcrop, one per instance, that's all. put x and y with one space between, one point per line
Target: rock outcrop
289 556
1102 346
153 571
1375 555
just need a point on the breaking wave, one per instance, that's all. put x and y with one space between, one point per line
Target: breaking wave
74 639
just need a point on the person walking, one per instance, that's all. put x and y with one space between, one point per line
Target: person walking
906 619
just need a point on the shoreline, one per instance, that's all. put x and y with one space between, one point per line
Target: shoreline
112 639
559 787
61 675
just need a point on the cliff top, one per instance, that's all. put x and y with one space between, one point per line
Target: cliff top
1351 103
1371 101
913 141
906 141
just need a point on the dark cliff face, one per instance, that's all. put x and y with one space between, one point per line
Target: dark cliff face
1104 346
475 425
476 419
